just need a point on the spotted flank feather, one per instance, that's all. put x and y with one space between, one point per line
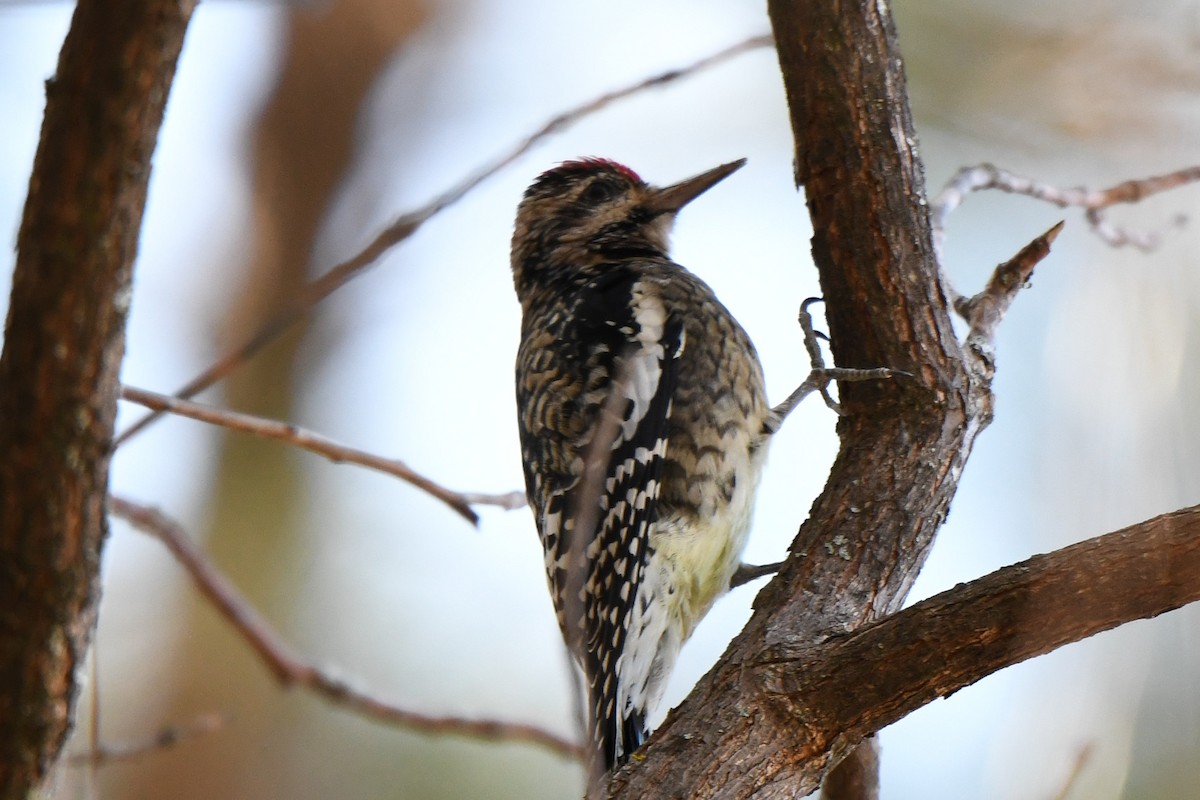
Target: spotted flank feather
596 580
620 550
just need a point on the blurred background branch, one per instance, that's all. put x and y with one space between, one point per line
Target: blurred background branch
314 443
290 669
410 222
165 738
1094 201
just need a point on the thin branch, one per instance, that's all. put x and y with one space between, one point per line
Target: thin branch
509 501
983 314
215 587
291 669
409 223
322 446
984 311
820 376
91 781
165 739
1094 201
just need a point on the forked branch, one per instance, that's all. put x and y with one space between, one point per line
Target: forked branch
1094 201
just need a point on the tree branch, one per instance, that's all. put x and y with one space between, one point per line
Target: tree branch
903 442
984 311
63 345
166 738
322 446
1094 201
850 685
854 684
290 669
408 224
828 658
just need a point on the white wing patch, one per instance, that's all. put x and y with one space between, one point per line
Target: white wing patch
642 366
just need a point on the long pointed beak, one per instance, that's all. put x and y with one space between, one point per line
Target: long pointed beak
672 198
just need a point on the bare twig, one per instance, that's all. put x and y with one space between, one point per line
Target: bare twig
984 311
165 739
820 376
408 224
508 501
291 669
316 443
215 587
1094 201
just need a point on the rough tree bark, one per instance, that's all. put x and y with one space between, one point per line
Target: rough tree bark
813 673
856 158
63 344
903 442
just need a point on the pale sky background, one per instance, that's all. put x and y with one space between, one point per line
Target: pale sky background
1094 428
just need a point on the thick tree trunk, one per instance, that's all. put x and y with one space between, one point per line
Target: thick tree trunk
903 442
63 345
828 658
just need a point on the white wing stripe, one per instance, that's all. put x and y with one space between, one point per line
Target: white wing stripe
643 366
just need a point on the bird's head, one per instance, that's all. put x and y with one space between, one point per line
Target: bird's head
592 211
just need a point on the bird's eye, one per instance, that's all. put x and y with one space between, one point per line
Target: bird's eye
599 191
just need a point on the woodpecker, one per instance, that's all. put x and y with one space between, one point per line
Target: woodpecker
643 423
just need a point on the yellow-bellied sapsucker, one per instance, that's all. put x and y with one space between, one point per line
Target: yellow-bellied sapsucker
643 423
